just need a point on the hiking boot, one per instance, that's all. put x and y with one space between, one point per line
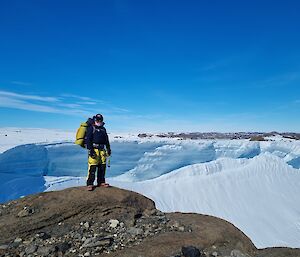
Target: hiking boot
90 188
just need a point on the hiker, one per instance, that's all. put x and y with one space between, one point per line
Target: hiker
97 143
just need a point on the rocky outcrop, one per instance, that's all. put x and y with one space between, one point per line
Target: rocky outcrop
116 222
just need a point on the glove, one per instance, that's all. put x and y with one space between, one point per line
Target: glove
109 152
92 153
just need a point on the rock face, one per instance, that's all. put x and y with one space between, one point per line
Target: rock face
116 222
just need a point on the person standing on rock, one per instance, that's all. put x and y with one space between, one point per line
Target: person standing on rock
99 149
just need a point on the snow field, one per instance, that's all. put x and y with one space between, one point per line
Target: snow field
254 185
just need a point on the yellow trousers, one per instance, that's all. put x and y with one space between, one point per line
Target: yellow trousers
97 164
100 157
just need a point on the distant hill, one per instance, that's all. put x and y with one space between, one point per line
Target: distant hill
218 135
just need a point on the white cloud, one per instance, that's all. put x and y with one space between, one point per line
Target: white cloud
280 80
88 100
63 104
70 105
28 97
87 103
21 83
9 102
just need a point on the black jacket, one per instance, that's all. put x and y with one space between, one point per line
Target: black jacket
97 135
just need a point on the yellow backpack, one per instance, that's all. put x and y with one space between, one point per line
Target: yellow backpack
81 133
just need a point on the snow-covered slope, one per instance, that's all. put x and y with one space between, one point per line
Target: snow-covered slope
254 185
11 137
260 195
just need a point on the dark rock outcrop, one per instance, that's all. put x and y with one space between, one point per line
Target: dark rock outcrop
116 222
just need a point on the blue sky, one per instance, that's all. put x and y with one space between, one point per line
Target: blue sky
151 65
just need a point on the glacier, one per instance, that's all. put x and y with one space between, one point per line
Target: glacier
254 185
260 196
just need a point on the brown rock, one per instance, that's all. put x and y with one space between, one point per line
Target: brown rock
73 206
